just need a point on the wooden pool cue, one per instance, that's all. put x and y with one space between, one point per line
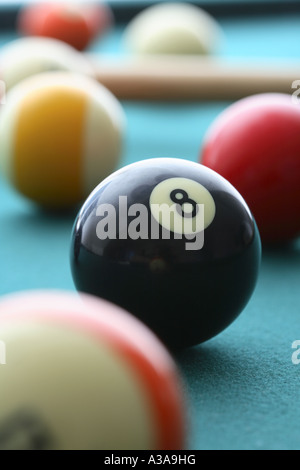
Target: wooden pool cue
194 78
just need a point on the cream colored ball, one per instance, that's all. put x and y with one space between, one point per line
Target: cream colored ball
173 28
25 57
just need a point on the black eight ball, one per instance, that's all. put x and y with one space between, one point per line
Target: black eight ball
172 242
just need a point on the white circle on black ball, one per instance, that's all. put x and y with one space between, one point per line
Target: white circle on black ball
182 206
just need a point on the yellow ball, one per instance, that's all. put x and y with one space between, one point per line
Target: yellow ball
61 134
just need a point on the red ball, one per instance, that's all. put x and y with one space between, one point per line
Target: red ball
255 144
77 25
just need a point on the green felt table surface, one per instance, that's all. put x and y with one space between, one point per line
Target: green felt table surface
242 388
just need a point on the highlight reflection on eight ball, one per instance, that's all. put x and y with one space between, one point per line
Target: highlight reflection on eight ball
186 295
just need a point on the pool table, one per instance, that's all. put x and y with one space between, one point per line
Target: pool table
242 387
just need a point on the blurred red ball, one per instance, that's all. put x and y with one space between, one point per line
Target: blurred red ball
255 144
77 25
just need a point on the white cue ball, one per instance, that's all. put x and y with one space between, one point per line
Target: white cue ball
24 57
173 28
